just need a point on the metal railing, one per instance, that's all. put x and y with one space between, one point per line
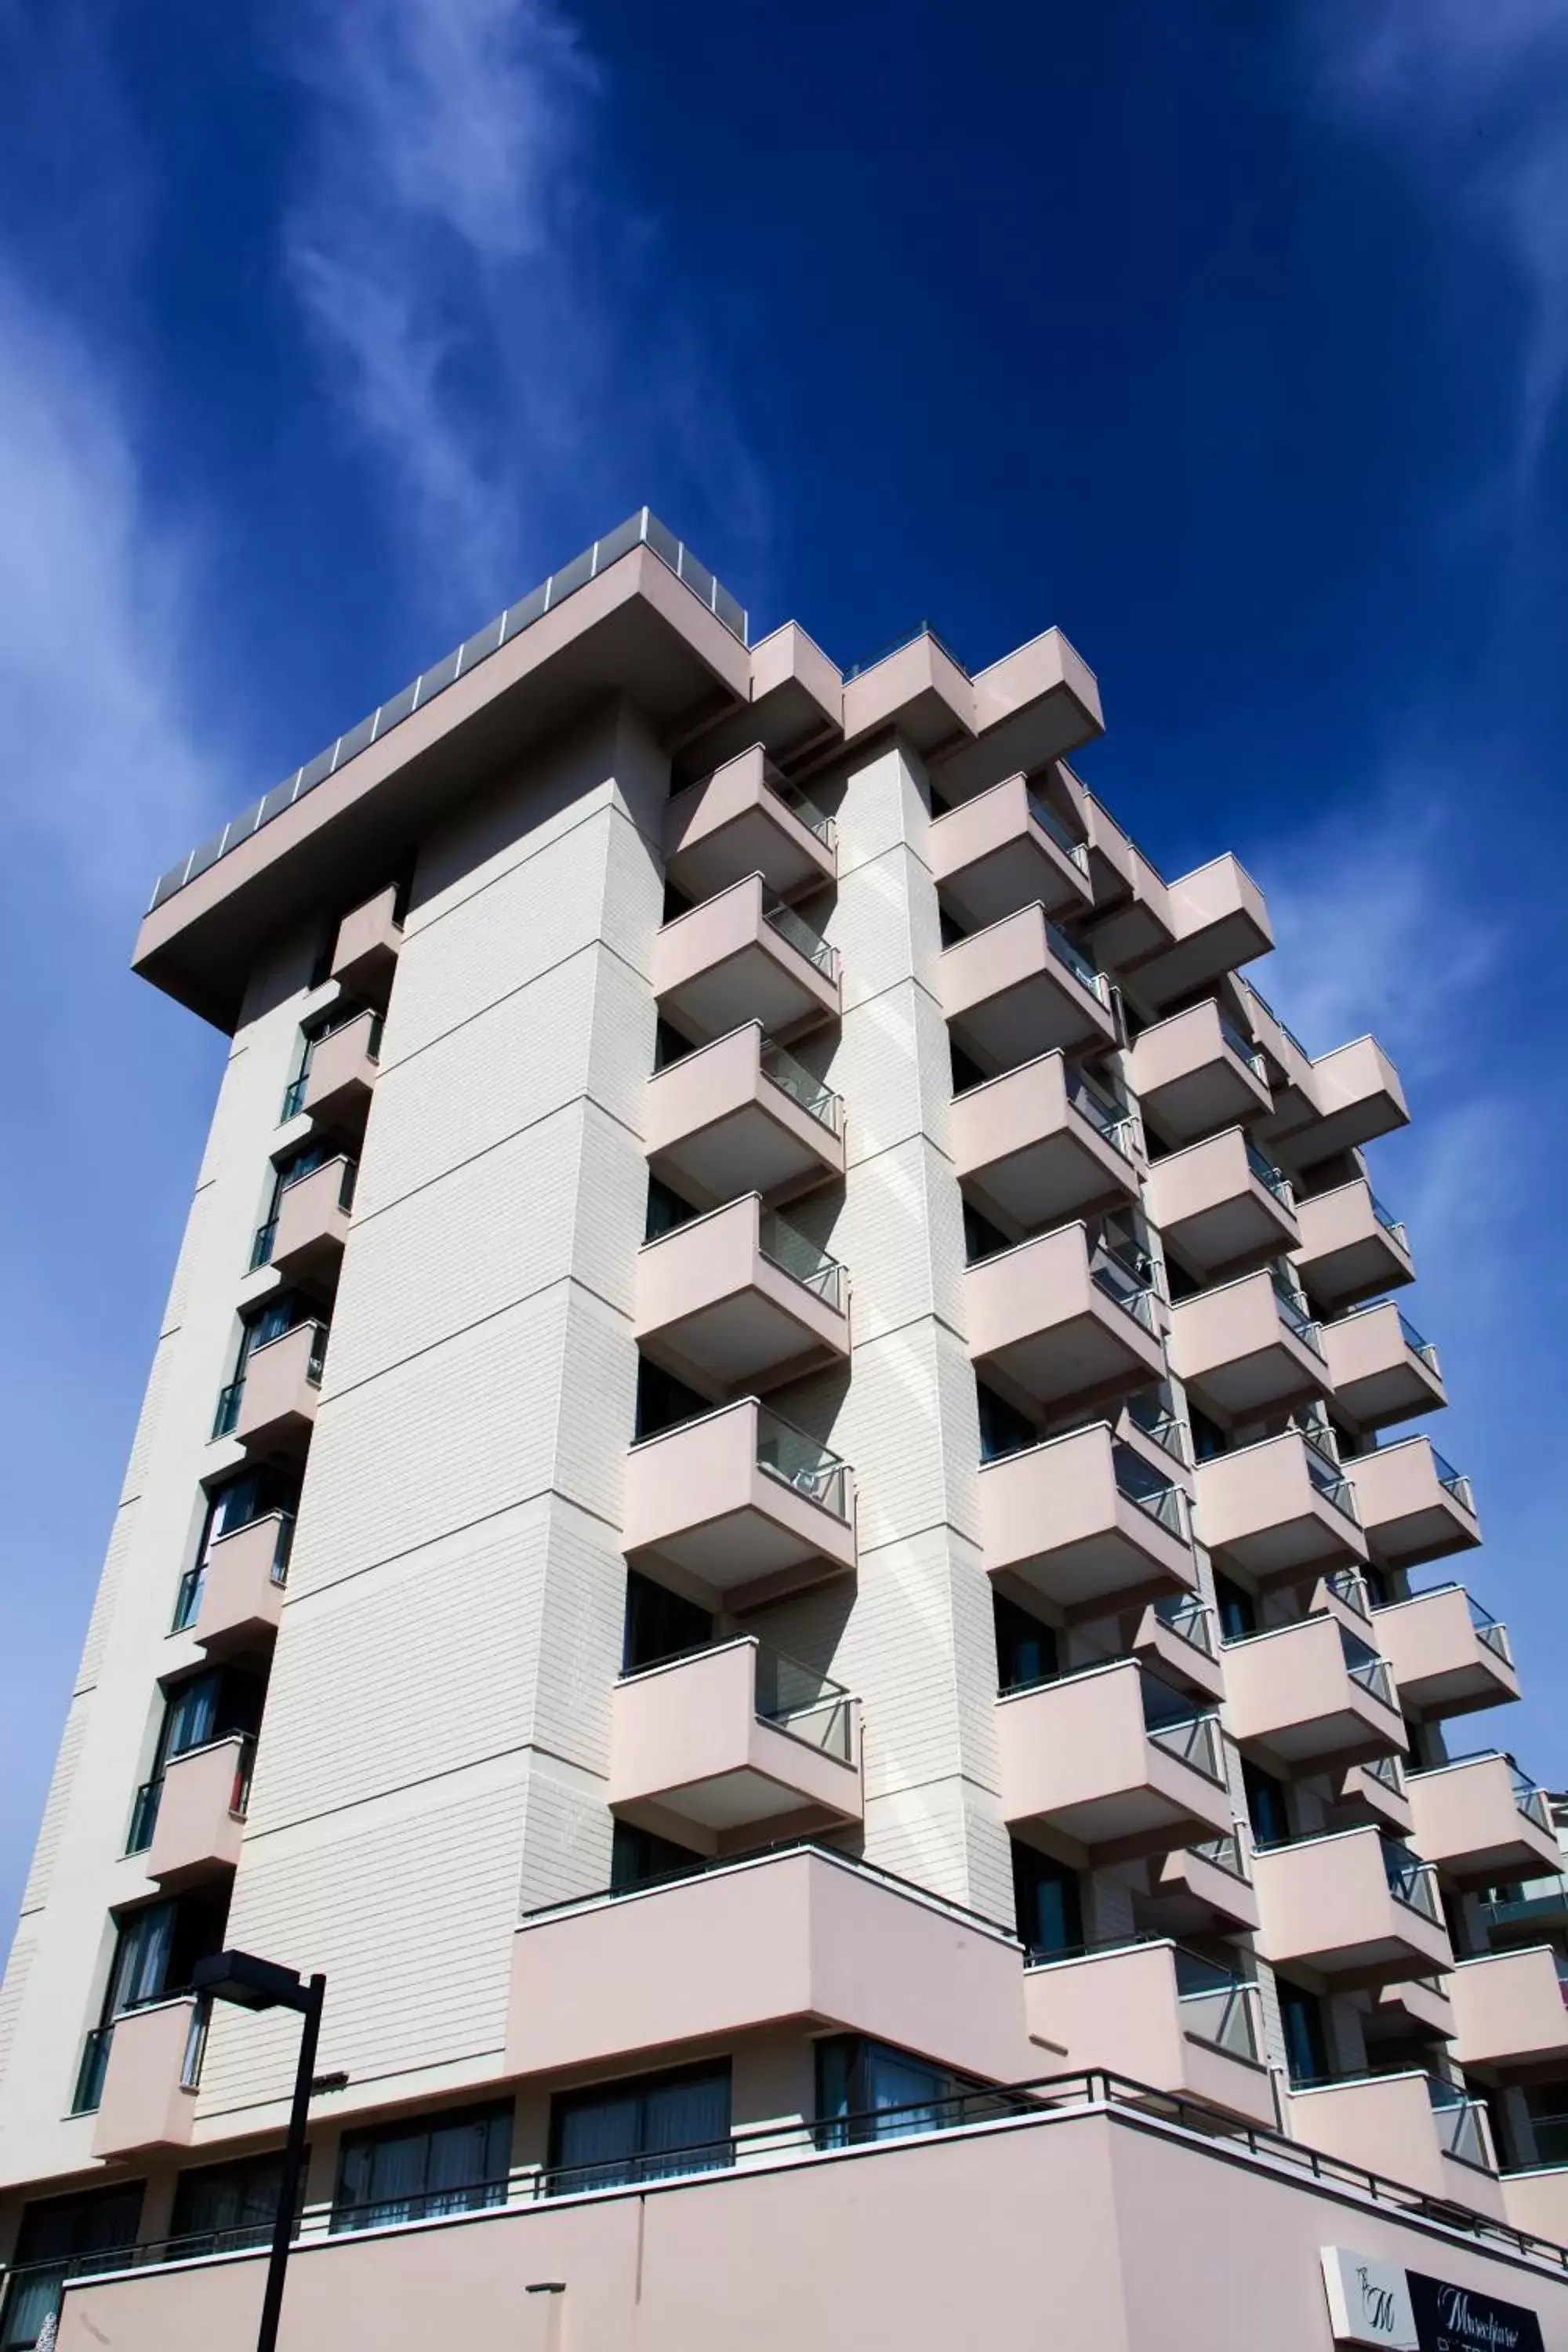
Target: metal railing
1295 1315
1149 1411
1142 1483
1488 1628
1365 1668
1528 1800
1453 1481
1273 1180
809 1706
1216 2006
1225 1853
1110 1120
145 1815
1074 961
1418 1345
818 953
788 1454
1347 1585
1410 1881
1190 1617
643 529
785 1246
1042 2102
1242 1047
1051 825
1283 1026
1461 2123
1330 1480
805 809
1389 1770
1388 1220
803 1086
1132 1292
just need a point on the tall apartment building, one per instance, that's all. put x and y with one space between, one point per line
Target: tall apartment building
776 1498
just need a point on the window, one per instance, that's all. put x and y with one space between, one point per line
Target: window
982 1239
1002 1428
966 1070
59 2234
951 929
208 1707
663 1402
865 2090
1050 1915
659 1624
647 2130
265 1488
156 1948
1026 1649
666 1210
1306 2045
1237 1609
639 1857
668 1046
1209 1440
1266 1805
223 2205
408 2172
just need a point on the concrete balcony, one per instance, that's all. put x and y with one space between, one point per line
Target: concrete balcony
742 1500
1247 1348
274 1403
1006 850
1510 2014
1413 1505
1286 1066
743 1115
1352 1247
1359 1097
740 1297
1204 1889
1088 1522
1133 904
1195 1073
1061 1323
743 819
1353 1905
340 1075
201 1814
1408 2127
1415 2009
1375 1792
1175 1637
242 1583
1313 1695
1280 1508
1157 2015
1479 1819
1039 1145
1382 1369
732 1739
1222 1205
149 2098
1535 2199
308 1235
1448 1657
745 956
1020 988
804 1937
368 941
1218 920
1114 1760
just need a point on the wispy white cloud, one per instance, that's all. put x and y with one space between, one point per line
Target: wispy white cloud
103 772
492 322
1472 95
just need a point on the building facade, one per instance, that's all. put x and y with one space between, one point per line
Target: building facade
776 1497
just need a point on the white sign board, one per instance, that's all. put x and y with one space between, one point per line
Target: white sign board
1369 2303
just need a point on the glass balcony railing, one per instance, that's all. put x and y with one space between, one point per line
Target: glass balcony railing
1488 1630
87 2096
195 2045
1330 1480
145 1815
1189 1618
801 937
1050 823
1133 1292
808 1705
1273 1180
1389 1221
1410 1881
787 1453
1529 1799
802 1086
1418 1345
1216 2006
1264 1006
1077 963
1365 1667
1454 1482
643 529
806 810
1142 1483
1347 1585
1242 1047
1226 1854
896 645
1150 1413
1389 1770
1172 1722
1460 2123
1108 1119
785 1246
1295 1315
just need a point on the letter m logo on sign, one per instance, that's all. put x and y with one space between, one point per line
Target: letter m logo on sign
1369 2302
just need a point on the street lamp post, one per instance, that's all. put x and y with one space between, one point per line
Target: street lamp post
252 1983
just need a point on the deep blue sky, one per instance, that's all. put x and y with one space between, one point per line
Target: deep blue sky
1231 339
